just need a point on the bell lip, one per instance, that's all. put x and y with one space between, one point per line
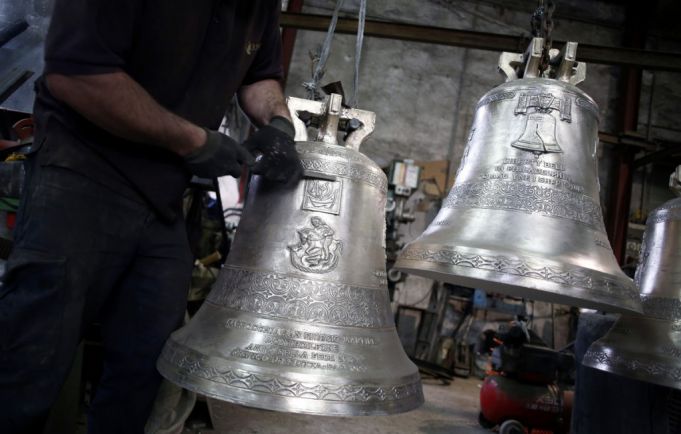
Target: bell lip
495 281
597 357
286 404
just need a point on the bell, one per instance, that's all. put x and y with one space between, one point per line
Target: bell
523 217
648 347
299 319
539 136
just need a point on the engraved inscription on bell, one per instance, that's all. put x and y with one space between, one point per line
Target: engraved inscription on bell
539 136
317 251
323 196
302 349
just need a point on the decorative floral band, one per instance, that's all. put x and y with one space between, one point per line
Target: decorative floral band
289 297
530 198
190 363
576 277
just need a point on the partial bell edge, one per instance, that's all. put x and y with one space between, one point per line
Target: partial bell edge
494 281
265 400
632 366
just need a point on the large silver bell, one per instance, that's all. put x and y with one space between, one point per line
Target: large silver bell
299 319
648 347
524 217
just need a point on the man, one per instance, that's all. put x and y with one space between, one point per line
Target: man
126 111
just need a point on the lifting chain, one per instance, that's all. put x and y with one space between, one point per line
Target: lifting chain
542 27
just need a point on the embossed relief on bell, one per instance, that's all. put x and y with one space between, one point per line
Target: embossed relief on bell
197 365
466 151
323 196
499 96
518 196
539 136
545 103
303 299
602 243
661 307
375 178
317 251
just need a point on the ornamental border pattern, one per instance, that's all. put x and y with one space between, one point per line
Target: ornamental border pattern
355 172
661 307
588 105
194 364
294 298
341 152
577 277
508 93
495 97
529 198
664 214
670 204
593 358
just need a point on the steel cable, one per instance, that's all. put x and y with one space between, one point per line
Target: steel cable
358 52
318 73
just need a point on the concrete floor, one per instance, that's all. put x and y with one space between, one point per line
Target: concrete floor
451 409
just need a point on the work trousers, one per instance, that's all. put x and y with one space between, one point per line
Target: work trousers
84 253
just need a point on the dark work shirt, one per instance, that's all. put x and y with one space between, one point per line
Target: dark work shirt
190 55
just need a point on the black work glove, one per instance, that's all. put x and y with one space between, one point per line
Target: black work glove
278 159
219 156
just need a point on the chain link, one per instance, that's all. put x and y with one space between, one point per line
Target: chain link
536 20
541 23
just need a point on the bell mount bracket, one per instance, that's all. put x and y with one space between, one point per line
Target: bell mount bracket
328 116
563 65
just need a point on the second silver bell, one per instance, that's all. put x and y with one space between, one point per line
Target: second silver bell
524 217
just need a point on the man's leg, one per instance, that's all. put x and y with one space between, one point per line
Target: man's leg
62 266
148 305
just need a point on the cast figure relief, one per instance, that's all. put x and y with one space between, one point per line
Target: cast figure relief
317 251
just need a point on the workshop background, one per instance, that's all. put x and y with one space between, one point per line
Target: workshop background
423 79
425 96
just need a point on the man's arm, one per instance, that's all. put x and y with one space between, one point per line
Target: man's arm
118 104
262 101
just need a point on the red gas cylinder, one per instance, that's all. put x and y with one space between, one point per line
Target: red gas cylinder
539 407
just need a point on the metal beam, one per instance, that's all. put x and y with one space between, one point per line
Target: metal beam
651 60
655 157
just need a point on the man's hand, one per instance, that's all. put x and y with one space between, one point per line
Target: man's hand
264 103
278 159
219 156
